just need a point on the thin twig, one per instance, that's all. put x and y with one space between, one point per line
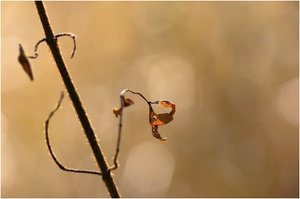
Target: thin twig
137 93
50 148
36 48
116 165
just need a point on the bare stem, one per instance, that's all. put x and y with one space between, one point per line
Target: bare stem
82 115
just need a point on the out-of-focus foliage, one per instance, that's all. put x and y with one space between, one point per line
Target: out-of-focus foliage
230 67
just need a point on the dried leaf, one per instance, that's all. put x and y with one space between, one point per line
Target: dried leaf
127 101
124 103
156 120
25 63
162 118
169 104
165 103
152 116
117 112
156 134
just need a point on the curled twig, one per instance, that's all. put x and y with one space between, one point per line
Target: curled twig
70 35
56 36
50 148
36 48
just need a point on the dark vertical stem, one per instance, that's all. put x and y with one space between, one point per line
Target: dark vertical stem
51 41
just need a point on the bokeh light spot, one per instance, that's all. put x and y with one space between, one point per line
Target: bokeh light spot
148 170
288 101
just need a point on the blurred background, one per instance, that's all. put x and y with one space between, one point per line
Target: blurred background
230 67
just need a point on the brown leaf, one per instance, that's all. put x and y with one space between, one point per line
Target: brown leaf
156 120
169 104
117 112
152 116
127 102
124 103
162 118
25 63
156 134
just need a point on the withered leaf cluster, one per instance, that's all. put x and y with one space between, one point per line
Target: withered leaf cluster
155 119
124 103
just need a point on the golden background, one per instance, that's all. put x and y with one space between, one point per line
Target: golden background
230 67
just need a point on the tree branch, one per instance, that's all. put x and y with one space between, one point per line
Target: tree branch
52 43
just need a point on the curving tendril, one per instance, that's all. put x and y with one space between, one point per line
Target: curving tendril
50 148
36 48
70 35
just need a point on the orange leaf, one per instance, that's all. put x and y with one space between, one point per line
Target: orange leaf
128 102
117 112
152 116
124 103
169 104
157 135
163 118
